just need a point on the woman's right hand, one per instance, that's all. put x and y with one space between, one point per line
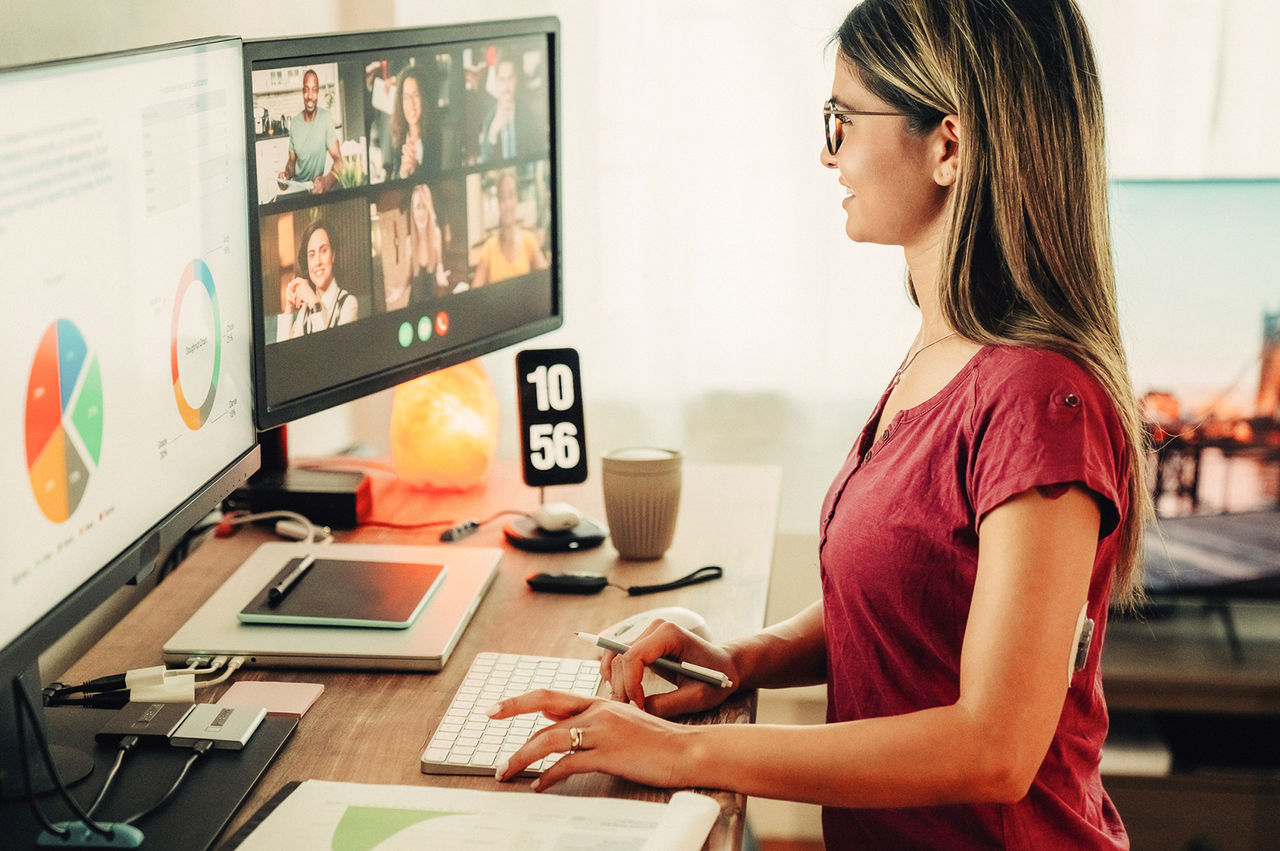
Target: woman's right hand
408 158
624 672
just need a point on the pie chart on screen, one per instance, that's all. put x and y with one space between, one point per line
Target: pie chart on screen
63 419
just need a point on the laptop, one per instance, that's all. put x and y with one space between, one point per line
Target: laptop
216 630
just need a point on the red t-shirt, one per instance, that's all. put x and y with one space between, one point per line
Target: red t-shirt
899 554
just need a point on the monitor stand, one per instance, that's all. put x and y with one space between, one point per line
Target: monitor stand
339 499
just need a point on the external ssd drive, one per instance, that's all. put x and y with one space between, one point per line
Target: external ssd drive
228 727
145 720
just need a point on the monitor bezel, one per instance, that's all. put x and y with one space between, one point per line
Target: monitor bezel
284 50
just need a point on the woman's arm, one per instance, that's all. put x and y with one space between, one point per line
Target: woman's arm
787 654
1035 560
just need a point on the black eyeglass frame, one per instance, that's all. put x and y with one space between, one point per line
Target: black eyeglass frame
829 112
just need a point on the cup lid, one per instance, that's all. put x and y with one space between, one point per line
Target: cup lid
641 460
641 453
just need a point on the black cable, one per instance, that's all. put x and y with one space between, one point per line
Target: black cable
198 750
126 744
100 700
20 703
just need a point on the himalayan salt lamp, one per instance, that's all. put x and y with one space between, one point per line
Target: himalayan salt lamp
444 428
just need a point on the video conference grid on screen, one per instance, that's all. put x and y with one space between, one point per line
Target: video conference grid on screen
395 190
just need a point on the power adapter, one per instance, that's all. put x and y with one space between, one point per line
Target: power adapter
228 727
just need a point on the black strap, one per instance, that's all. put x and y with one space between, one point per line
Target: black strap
702 574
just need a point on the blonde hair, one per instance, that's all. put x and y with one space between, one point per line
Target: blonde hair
428 235
1027 254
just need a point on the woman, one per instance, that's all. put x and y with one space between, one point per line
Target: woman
415 140
428 278
317 302
993 500
512 251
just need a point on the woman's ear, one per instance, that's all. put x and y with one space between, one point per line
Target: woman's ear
948 150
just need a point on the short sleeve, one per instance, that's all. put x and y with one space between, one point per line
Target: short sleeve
1040 419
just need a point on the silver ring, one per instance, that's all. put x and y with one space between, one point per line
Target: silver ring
575 739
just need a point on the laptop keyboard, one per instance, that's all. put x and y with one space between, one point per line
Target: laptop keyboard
470 742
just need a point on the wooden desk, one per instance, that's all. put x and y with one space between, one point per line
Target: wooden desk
371 727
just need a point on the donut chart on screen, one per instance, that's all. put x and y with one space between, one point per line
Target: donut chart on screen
197 324
63 419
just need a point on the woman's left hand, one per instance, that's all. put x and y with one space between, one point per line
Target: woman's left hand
612 737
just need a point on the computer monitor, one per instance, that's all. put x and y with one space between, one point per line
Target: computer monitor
405 207
127 345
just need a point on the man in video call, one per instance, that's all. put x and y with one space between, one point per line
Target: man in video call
499 139
316 300
313 141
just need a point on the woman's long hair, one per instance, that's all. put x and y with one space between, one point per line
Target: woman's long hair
399 124
1027 253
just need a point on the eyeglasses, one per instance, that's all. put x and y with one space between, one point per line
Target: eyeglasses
833 123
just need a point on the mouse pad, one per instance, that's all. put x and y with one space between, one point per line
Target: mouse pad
342 592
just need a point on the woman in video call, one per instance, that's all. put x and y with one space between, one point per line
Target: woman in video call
513 250
415 139
316 301
428 277
993 500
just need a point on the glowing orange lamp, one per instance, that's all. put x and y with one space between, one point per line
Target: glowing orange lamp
444 428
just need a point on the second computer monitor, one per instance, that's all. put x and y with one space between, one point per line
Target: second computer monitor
405 205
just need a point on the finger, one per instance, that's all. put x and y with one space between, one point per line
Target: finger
627 679
606 666
689 697
580 762
550 740
553 704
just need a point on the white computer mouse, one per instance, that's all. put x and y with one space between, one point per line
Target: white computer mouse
556 517
628 629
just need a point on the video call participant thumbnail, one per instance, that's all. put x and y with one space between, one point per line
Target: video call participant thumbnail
317 301
313 141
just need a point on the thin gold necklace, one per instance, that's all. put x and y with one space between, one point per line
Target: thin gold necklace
906 363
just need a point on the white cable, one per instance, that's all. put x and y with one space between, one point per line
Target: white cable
313 534
232 666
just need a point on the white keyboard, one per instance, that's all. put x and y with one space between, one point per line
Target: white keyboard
470 742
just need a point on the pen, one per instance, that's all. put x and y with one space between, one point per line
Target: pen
671 666
277 591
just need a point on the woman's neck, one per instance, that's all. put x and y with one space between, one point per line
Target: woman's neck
923 265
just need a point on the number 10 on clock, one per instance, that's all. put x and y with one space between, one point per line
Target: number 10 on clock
553 438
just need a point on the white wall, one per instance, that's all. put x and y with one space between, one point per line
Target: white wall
40 30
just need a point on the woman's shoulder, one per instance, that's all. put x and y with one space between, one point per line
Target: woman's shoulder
1030 363
1021 371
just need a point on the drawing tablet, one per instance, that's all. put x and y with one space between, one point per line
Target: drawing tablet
344 592
426 645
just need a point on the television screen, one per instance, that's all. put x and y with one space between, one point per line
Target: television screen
1200 309
405 211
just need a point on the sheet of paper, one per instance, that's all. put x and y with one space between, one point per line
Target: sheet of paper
364 817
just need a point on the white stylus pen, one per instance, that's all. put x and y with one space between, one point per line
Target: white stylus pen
671 666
